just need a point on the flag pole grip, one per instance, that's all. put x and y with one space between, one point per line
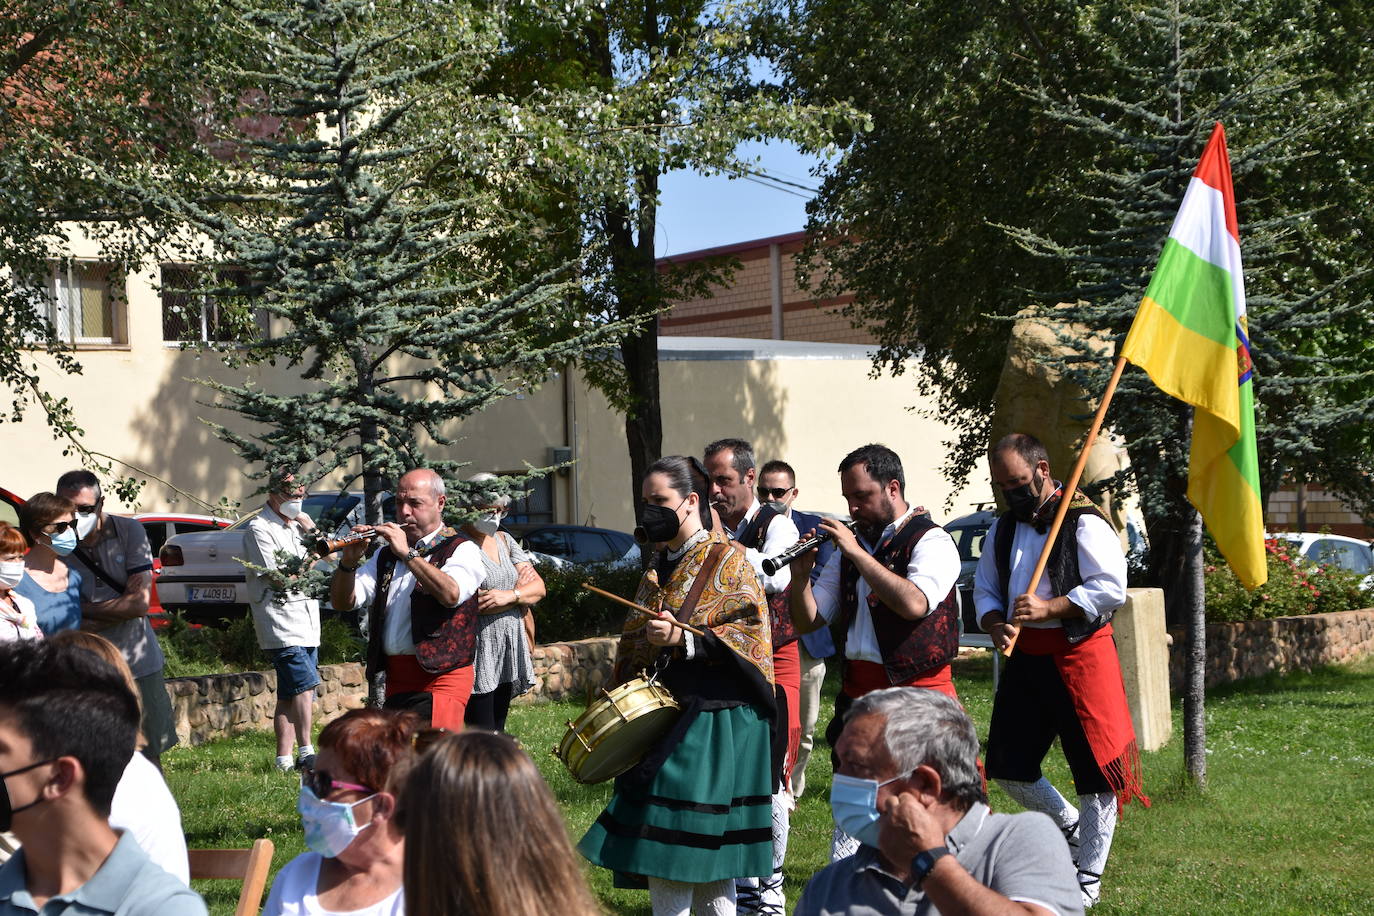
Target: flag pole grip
1070 487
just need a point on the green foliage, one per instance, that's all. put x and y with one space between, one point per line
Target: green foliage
570 612
192 651
1036 154
1295 587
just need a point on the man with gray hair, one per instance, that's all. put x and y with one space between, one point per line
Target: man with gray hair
909 790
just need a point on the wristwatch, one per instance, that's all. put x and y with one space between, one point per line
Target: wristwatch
924 862
413 554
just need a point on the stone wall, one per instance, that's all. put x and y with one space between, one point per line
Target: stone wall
1257 647
571 670
217 705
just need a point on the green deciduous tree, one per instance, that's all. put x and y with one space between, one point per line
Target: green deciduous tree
82 81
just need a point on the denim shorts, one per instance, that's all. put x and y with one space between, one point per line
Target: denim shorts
297 669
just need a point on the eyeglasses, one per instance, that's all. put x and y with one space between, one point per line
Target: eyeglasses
774 492
322 783
58 527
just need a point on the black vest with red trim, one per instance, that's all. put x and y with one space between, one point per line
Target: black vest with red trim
445 637
908 647
1062 567
779 611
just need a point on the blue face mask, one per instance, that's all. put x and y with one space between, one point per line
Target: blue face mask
329 826
64 543
854 806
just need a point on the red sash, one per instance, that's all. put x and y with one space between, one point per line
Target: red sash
865 677
787 675
1092 675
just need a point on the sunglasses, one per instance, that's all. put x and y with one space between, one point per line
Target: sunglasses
91 509
322 783
774 492
58 527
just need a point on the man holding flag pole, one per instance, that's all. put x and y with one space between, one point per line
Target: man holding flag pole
1190 335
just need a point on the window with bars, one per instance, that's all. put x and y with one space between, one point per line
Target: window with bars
536 505
195 307
84 302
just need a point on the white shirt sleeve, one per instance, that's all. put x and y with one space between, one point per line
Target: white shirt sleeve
464 566
782 533
365 580
826 589
987 587
934 565
1102 566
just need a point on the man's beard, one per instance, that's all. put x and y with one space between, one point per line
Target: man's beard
874 530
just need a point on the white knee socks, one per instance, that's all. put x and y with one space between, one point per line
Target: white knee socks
1097 824
674 898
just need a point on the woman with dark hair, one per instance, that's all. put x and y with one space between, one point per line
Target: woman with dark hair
348 808
48 522
504 666
484 836
696 812
18 619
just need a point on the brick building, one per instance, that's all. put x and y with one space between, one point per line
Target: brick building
762 300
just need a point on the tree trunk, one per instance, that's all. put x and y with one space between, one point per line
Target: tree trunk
1195 687
644 420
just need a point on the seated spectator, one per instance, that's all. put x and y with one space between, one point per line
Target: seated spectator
18 619
909 790
484 836
348 809
143 805
48 523
67 729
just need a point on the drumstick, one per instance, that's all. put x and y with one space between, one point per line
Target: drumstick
642 609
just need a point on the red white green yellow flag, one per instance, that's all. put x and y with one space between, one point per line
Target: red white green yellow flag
1190 335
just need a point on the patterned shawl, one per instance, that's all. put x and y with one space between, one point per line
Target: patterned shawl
732 606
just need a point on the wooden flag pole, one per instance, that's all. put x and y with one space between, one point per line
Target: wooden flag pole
1070 487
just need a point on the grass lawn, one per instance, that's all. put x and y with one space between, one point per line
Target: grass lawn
1287 825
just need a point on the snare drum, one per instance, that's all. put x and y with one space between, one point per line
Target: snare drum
617 730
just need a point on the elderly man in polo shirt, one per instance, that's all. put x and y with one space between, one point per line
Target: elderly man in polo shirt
420 589
287 622
67 729
908 788
116 566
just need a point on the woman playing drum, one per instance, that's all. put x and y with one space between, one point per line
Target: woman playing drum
696 812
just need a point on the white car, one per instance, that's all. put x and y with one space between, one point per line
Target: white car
202 576
1333 549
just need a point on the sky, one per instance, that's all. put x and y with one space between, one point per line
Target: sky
696 211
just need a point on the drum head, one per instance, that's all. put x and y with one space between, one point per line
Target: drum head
623 749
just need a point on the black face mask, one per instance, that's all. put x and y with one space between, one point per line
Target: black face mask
6 812
1025 499
657 524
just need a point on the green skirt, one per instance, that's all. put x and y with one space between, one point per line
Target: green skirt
707 815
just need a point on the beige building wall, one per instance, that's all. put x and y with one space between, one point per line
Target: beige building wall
809 404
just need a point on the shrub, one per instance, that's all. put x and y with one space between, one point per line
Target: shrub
1295 587
570 612
193 651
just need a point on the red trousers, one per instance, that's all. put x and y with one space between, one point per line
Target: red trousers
449 691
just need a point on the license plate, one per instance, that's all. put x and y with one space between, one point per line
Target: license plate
222 594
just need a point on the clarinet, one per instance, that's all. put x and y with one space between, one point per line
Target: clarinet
772 564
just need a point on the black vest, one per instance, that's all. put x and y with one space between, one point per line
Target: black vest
779 610
1062 567
908 647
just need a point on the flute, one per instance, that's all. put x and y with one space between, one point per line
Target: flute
325 546
772 564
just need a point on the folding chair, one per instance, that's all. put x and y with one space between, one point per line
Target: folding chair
248 865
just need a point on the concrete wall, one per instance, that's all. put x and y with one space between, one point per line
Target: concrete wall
1257 647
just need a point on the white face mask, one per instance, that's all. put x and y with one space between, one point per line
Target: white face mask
291 508
329 826
489 523
85 524
11 571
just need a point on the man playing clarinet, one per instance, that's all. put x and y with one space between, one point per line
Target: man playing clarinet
1063 679
888 591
